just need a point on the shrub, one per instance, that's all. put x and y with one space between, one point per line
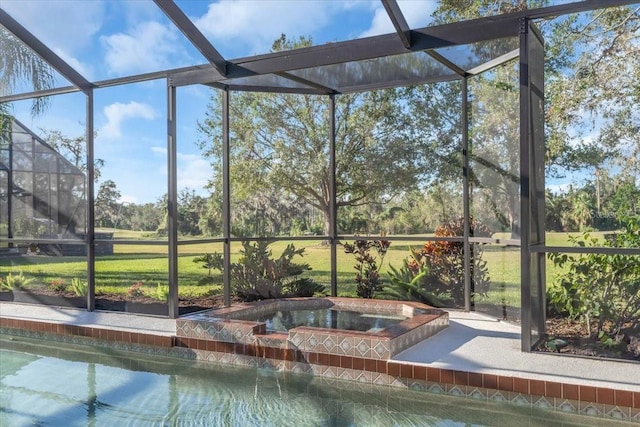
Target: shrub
407 284
446 261
305 287
209 261
258 276
136 290
605 287
367 266
17 281
79 287
434 274
58 285
162 292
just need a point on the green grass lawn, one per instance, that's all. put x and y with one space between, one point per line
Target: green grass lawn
149 264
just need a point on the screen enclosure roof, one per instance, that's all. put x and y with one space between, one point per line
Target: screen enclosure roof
409 56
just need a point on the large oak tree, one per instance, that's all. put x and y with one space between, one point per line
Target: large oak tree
280 142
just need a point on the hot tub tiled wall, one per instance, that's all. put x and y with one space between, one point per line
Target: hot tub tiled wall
227 326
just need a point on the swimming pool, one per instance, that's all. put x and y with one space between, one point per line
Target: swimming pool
45 385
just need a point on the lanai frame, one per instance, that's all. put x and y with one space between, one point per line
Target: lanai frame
233 75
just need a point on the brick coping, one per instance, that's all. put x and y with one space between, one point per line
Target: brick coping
554 395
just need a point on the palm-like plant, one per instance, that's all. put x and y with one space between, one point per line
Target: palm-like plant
20 65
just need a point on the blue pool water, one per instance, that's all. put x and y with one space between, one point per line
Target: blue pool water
284 320
62 385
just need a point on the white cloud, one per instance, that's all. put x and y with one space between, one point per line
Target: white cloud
256 24
416 13
83 69
125 199
381 24
193 171
147 46
61 24
117 112
159 150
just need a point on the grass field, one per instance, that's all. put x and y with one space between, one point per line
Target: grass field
149 264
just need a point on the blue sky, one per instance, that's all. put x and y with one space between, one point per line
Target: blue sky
107 39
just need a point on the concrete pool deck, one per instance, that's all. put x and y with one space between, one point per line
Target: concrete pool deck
474 353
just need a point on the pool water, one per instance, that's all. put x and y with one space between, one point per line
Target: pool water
331 318
65 385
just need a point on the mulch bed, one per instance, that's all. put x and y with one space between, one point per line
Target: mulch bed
578 341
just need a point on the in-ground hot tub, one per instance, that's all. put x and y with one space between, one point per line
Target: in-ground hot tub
362 328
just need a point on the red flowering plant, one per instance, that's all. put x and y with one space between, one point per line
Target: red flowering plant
446 261
434 274
136 290
58 286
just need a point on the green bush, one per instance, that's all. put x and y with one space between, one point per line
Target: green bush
79 287
17 281
162 292
406 284
605 287
257 275
209 261
58 286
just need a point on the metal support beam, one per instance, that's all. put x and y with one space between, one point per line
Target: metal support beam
333 233
172 202
226 200
525 255
323 89
10 187
494 62
90 185
444 61
466 249
532 185
188 28
45 53
400 24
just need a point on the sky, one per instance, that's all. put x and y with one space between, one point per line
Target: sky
109 39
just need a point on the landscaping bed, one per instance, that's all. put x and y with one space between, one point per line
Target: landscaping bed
575 340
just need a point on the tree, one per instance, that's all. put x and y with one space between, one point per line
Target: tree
190 208
107 208
495 154
73 149
19 64
595 93
592 75
144 217
458 10
281 141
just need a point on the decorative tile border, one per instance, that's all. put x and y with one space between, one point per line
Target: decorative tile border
587 400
